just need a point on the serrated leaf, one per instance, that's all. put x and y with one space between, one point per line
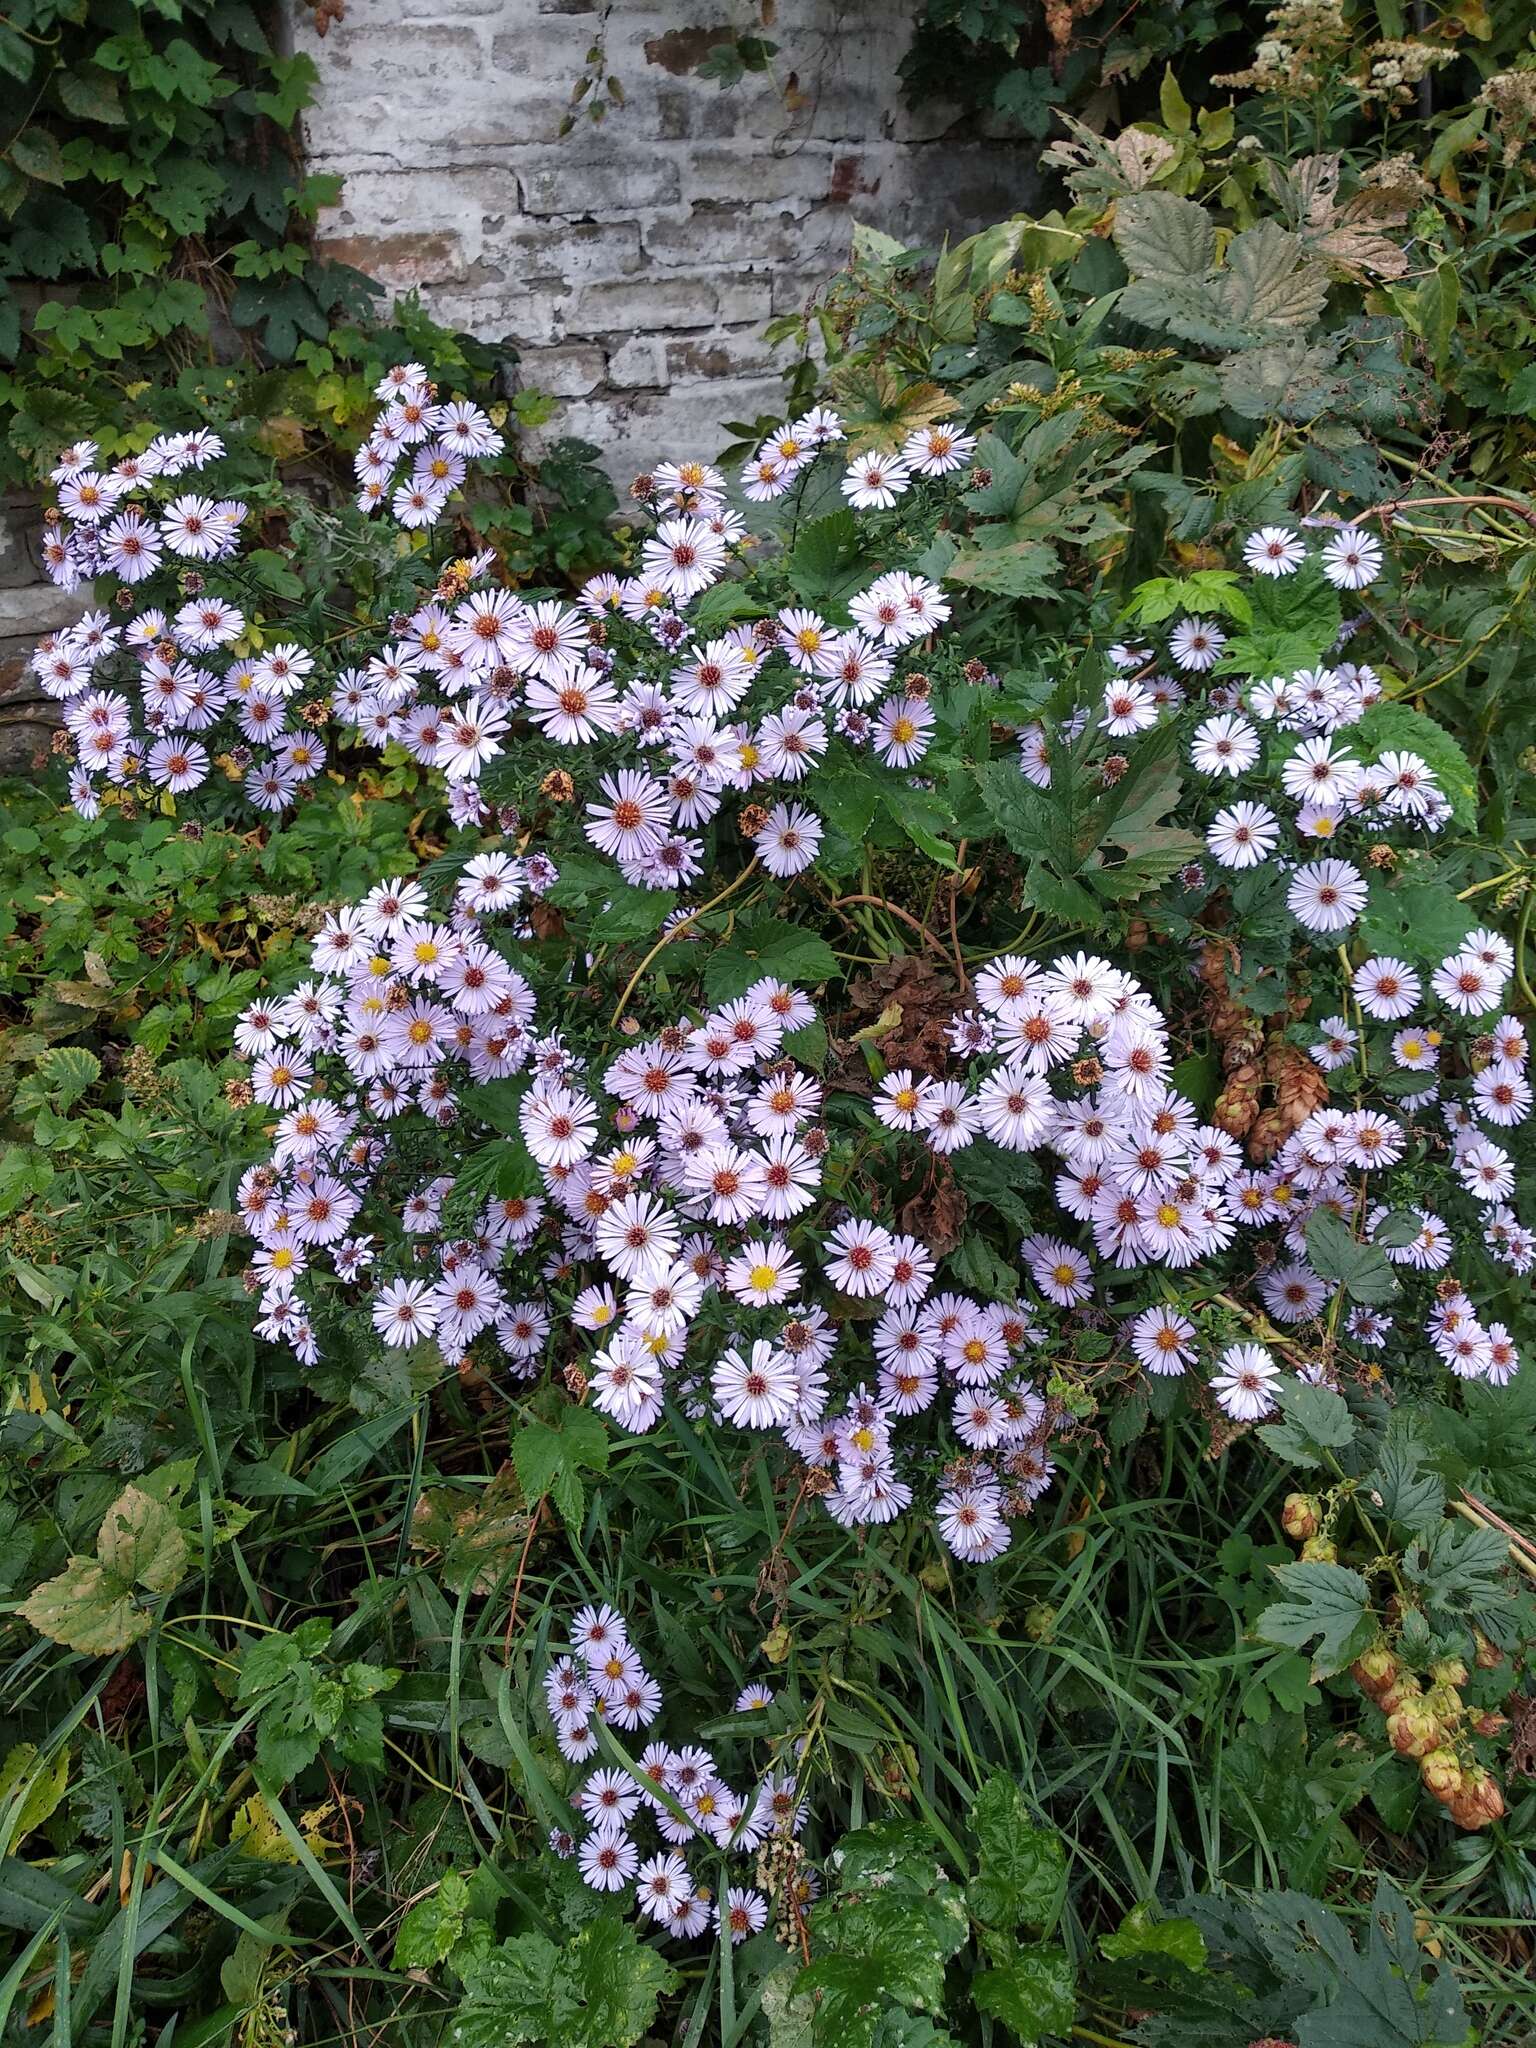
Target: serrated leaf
1164 237
769 946
1033 1993
1362 1270
1022 1874
1409 1491
433 1925
826 564
549 1460
1315 1420
1270 285
600 1990
140 1542
1329 1604
1142 1933
87 1609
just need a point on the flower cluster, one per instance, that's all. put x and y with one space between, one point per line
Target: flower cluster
198 664
681 1796
639 711
680 1214
1332 793
1154 1186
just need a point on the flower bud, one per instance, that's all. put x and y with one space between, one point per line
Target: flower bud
1479 1801
1375 1670
1302 1516
1440 1774
1445 1703
1404 1687
1413 1732
1489 1655
1449 1671
1319 1550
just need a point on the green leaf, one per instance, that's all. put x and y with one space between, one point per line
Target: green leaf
1362 1270
1271 285
86 1608
1394 1996
601 1990
1403 1483
1328 1603
826 564
31 1791
90 95
549 1460
36 153
1415 917
630 913
1388 728
992 1174
141 1542
1022 1875
766 947
1033 1993
1142 1933
1163 237
1316 1420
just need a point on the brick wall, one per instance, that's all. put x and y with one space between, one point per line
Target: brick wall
634 263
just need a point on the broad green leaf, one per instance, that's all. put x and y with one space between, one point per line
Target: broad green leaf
600 1990
1315 1420
31 1791
1143 1933
140 1542
767 947
87 1609
1022 1873
1329 1604
1403 1482
1163 237
1362 1270
1033 1993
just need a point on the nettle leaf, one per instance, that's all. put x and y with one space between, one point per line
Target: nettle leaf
1362 1270
1316 1420
1033 1993
1326 1603
1022 1874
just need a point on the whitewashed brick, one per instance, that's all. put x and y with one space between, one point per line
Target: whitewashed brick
632 263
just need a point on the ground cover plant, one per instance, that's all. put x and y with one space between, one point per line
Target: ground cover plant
803 1314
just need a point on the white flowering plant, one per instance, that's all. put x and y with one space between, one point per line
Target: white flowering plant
541 1117
844 1080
